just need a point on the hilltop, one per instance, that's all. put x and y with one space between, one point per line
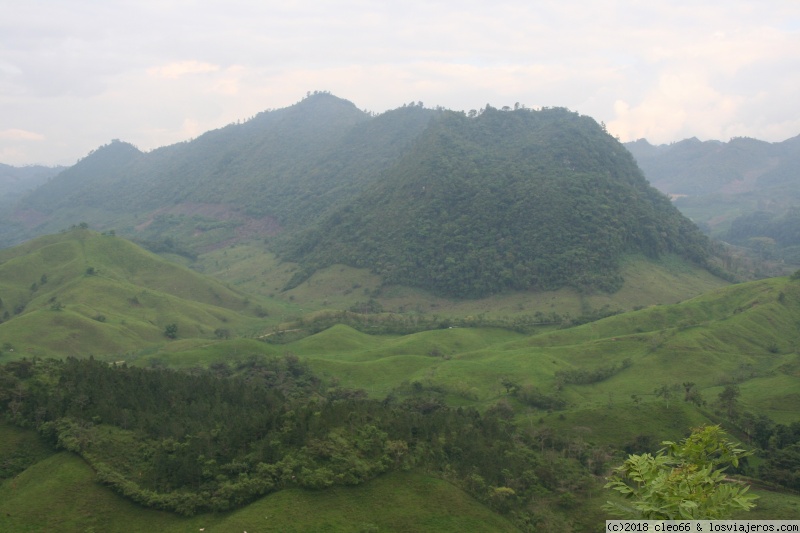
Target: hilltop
507 200
282 168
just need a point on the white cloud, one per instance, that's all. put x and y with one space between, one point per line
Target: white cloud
152 72
179 69
20 135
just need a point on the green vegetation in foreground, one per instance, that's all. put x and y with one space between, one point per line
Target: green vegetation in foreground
583 394
61 494
683 481
220 439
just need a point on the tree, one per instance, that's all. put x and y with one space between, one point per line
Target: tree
665 391
691 394
728 400
683 481
171 331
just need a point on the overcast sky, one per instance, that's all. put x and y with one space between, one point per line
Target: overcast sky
75 74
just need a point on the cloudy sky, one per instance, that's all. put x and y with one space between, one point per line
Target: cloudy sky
75 74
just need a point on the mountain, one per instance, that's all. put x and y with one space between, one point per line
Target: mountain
743 191
462 206
80 292
508 200
279 169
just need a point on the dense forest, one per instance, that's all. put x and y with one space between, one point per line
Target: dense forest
217 439
507 200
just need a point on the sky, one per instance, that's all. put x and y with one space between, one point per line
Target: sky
75 74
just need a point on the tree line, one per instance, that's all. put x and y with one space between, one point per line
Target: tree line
216 439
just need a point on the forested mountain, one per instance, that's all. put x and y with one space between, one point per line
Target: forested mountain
280 168
744 191
506 200
460 205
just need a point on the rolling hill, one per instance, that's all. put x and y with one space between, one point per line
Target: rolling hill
575 395
80 293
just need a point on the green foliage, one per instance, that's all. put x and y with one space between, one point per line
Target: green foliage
171 331
280 168
683 481
506 201
582 376
206 442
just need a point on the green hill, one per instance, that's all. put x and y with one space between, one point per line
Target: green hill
60 493
83 293
509 200
281 168
554 410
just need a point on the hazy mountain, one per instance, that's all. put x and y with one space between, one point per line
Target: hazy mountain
507 200
693 167
282 167
430 198
17 181
738 191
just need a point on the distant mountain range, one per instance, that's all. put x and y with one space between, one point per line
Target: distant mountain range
744 191
461 205
16 182
695 168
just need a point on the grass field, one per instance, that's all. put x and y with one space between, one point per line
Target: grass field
746 334
249 267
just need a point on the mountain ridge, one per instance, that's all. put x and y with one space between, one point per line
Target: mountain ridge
497 200
483 204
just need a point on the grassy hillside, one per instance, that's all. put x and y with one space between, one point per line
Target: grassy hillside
746 334
60 493
580 392
82 293
647 281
